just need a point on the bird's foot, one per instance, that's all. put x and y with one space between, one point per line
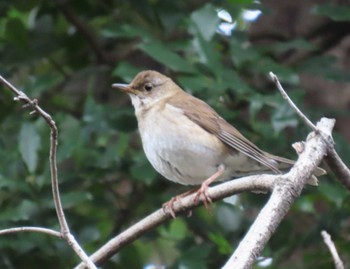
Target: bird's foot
168 207
203 195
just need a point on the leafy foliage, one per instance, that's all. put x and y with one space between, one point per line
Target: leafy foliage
67 53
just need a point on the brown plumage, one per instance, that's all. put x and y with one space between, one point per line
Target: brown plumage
187 141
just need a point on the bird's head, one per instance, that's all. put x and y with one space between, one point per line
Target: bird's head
148 88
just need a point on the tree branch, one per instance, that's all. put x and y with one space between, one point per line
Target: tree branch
31 229
257 183
291 103
332 158
330 244
338 167
286 190
65 232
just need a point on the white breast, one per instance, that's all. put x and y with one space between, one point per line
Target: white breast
177 148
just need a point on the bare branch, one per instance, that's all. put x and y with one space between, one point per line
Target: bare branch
65 232
330 244
286 190
332 158
31 229
290 102
257 183
338 167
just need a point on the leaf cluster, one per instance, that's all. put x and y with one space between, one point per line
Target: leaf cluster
68 53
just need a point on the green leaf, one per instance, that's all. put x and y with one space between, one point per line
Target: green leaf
221 242
16 33
332 11
208 54
285 73
70 129
126 71
195 257
335 193
298 43
176 230
126 31
29 144
325 67
195 83
23 211
162 54
74 198
206 21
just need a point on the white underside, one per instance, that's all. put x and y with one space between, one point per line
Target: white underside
183 152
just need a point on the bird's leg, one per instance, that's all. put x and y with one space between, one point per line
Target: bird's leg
169 206
203 190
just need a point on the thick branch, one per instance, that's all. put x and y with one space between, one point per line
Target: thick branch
258 183
338 167
286 190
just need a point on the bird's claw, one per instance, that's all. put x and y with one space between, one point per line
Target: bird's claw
202 194
168 207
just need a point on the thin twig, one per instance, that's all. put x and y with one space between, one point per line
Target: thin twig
332 158
331 246
33 104
290 102
257 183
65 232
31 229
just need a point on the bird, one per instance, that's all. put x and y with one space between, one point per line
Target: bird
188 142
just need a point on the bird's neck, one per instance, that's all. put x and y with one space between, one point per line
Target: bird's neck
143 106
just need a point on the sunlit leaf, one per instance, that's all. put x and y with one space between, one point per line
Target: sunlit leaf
206 21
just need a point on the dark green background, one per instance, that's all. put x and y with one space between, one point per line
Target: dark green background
68 53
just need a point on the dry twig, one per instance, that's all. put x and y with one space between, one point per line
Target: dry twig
65 232
332 158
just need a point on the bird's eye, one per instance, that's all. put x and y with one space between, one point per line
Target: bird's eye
148 87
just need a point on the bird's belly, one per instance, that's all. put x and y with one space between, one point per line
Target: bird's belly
182 151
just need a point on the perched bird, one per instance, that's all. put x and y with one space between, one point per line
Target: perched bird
187 142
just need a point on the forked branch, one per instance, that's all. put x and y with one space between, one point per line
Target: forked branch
32 104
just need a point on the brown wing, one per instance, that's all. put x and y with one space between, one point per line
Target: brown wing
206 117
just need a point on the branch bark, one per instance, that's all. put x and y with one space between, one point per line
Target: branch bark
286 190
31 229
332 158
338 167
257 183
331 246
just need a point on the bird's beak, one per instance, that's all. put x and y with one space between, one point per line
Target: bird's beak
123 87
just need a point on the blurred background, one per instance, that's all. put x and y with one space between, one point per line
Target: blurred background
68 53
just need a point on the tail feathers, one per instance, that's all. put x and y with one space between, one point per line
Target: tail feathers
284 163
